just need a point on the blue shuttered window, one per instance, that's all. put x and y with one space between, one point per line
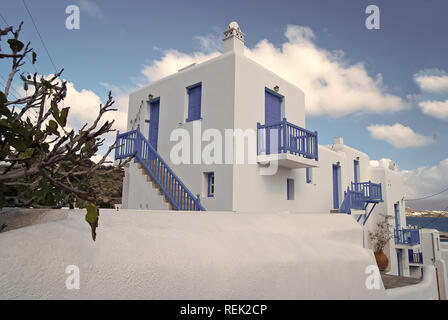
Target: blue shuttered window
309 175
356 167
211 184
290 189
194 102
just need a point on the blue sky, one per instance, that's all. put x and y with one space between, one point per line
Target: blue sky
117 39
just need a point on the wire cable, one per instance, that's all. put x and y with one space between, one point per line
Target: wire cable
41 39
430 196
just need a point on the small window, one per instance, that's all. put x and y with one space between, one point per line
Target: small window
309 175
194 102
211 184
356 168
290 189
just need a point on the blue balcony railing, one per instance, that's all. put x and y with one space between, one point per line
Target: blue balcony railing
415 257
407 236
372 191
283 137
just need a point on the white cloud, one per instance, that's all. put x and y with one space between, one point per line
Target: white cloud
399 135
432 80
331 85
211 42
84 107
172 61
436 109
384 163
91 8
426 180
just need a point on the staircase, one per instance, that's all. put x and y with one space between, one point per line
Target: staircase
174 192
359 196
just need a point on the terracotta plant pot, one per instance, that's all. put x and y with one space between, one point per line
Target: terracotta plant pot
381 260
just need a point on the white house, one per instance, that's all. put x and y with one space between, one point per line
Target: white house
206 107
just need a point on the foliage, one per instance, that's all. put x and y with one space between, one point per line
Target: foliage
382 234
47 163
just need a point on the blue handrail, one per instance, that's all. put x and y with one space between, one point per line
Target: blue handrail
352 200
288 138
407 236
359 194
133 142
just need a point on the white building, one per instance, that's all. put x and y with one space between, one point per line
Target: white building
232 92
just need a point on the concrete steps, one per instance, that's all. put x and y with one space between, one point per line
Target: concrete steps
155 186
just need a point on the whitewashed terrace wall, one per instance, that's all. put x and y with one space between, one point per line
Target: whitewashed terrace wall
172 255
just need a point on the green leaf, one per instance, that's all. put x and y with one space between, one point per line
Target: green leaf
27 153
63 116
15 45
87 146
92 217
3 109
47 84
52 127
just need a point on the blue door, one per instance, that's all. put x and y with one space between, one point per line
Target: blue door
272 115
397 215
154 122
336 169
399 262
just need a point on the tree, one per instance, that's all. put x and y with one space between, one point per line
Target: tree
45 163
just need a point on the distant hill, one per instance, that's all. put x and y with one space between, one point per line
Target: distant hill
436 203
110 182
425 213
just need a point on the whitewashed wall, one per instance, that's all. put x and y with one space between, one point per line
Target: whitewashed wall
425 290
393 192
184 255
433 255
217 77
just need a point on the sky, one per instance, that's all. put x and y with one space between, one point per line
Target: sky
385 91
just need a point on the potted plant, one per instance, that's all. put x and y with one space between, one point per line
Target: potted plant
379 239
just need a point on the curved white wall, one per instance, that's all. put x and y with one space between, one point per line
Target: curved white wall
425 290
175 255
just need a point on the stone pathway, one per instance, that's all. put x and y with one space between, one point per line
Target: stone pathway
391 281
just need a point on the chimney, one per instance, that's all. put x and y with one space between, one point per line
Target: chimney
338 140
233 39
338 144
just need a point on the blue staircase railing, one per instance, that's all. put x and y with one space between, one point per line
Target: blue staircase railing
352 200
134 143
283 137
359 195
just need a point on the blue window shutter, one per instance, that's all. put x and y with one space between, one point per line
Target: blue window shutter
211 184
308 175
289 189
356 167
194 103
